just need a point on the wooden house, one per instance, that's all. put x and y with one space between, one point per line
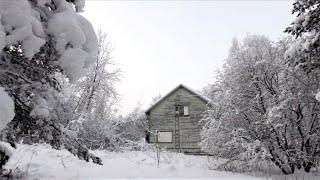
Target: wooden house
174 121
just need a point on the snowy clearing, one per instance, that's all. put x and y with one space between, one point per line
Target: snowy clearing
43 162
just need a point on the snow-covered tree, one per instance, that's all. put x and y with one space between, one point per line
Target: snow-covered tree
93 99
95 94
38 40
304 52
263 109
246 86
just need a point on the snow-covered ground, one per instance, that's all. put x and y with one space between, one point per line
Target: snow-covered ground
43 162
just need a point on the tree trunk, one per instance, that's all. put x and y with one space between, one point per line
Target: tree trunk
307 166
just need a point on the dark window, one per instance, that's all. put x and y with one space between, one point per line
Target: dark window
147 137
182 110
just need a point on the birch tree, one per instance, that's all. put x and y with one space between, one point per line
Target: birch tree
94 99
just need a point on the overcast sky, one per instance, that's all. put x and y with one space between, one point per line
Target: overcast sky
161 44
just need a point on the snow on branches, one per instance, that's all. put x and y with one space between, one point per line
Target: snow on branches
26 23
306 29
75 41
20 24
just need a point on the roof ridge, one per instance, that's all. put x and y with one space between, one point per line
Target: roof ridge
173 90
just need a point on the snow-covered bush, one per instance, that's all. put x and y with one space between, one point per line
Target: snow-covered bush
39 39
115 133
131 130
133 125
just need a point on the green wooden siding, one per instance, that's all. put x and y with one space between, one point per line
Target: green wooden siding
186 129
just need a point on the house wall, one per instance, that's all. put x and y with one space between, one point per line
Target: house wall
186 129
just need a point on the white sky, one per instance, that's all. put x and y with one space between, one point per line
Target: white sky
160 44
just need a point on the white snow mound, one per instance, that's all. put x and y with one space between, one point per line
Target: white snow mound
22 25
43 162
318 96
6 108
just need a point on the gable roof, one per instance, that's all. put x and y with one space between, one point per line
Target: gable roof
205 99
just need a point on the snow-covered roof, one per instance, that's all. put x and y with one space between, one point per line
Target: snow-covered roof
207 100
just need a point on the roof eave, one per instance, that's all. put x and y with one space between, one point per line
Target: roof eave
176 88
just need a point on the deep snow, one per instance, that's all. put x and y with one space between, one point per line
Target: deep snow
6 108
43 162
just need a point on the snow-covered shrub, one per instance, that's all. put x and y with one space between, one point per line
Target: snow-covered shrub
133 125
39 39
116 133
97 133
131 130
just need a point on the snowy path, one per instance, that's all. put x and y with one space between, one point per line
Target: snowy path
42 162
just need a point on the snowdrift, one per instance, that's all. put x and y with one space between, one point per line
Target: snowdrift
42 162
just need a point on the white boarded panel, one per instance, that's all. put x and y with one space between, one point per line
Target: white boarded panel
164 136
